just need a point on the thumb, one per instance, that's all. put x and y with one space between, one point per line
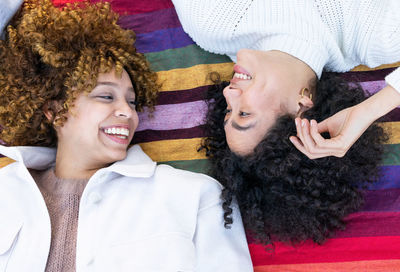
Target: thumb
323 126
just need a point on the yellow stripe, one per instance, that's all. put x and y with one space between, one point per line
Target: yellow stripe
393 128
5 161
173 150
363 68
186 149
356 266
193 77
198 75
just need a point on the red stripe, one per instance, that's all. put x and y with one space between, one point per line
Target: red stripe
359 266
126 7
334 250
364 224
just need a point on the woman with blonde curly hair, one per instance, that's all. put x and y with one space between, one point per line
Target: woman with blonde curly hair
76 198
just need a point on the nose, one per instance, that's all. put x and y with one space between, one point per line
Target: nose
125 110
231 94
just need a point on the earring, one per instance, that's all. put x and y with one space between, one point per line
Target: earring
302 93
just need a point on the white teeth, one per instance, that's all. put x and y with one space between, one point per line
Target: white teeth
242 76
122 133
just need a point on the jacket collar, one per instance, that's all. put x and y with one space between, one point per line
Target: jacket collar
136 163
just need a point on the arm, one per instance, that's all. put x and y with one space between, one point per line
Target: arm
7 10
218 248
346 126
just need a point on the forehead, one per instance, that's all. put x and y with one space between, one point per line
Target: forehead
112 79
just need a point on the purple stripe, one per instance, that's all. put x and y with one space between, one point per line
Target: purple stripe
367 75
182 96
367 224
373 86
151 21
392 116
159 135
382 201
163 39
389 178
177 116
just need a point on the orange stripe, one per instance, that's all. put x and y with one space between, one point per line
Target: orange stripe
359 266
173 150
363 68
5 161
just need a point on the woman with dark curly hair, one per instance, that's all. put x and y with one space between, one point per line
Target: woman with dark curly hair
76 198
282 194
281 48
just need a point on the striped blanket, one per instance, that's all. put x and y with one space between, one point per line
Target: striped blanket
371 241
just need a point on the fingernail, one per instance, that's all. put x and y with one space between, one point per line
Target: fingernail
313 123
296 122
303 123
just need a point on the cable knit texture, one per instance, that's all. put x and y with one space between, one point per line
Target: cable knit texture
62 197
335 35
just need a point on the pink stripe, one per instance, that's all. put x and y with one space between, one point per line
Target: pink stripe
176 116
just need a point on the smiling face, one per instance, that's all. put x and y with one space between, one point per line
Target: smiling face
265 85
101 124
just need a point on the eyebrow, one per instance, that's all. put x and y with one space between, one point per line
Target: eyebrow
109 83
240 128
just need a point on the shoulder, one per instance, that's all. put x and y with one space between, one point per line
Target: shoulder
179 175
189 183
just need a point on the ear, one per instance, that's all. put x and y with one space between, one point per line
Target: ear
305 101
304 104
47 111
50 108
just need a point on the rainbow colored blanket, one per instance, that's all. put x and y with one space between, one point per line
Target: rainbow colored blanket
371 241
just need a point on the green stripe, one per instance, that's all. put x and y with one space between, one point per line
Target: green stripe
198 166
392 154
183 57
391 157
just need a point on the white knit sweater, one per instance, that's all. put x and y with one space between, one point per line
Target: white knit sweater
335 35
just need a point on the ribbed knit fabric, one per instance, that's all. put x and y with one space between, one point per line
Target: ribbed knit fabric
62 198
335 35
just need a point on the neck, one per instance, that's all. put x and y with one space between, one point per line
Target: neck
74 166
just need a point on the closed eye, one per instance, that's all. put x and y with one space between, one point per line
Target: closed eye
105 97
133 103
226 111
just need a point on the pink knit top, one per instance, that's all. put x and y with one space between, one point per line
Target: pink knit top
62 197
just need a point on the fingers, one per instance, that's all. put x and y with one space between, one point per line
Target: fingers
310 142
323 126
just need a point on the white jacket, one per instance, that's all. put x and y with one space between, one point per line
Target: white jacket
7 10
133 216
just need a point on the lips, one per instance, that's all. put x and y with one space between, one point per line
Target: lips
240 74
240 70
117 133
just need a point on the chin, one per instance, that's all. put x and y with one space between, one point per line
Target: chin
116 156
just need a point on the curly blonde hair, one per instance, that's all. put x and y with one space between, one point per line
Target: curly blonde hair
55 54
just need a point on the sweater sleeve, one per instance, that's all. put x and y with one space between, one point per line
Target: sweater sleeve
7 9
393 79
